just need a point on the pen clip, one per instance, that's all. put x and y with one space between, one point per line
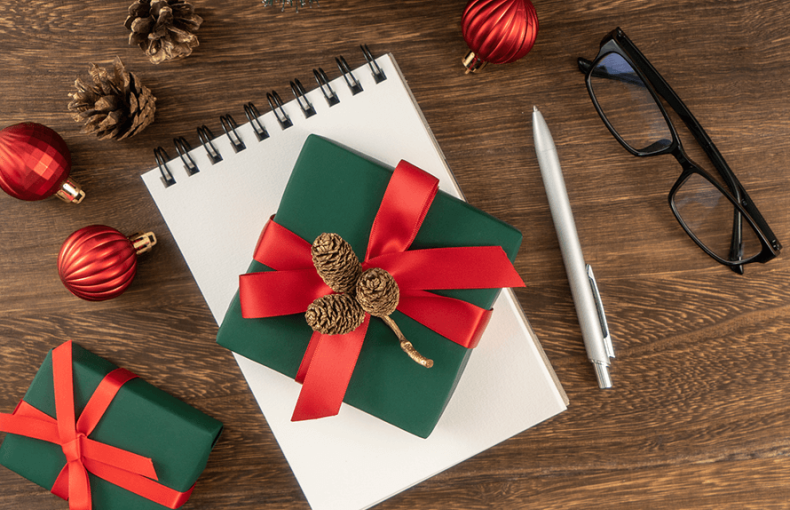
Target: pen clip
607 338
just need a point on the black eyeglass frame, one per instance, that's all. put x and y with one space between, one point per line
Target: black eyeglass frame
617 42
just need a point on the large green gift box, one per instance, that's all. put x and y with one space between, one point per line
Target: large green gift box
140 419
335 190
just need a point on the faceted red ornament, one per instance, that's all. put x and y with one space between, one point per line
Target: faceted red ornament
98 262
498 31
35 164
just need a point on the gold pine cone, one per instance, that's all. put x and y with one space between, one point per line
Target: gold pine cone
164 29
334 314
335 262
377 292
116 105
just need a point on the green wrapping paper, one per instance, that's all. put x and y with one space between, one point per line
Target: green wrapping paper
141 419
333 189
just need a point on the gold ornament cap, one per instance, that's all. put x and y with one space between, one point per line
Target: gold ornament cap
142 242
472 62
70 192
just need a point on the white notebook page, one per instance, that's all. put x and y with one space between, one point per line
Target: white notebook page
353 460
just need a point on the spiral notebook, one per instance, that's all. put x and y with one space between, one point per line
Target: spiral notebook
216 198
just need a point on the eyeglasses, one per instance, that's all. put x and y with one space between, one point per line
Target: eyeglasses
714 210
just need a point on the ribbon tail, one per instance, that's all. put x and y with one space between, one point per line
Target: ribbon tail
456 320
73 485
106 454
326 378
304 366
61 486
466 267
140 485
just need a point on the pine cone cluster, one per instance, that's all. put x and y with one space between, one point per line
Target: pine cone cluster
164 29
116 105
358 292
373 291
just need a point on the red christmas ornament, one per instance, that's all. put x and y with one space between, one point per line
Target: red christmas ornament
35 164
498 31
97 262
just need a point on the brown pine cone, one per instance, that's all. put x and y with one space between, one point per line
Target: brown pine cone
116 105
334 314
164 29
335 262
377 292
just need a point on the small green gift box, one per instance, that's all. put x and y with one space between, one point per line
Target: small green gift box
335 190
99 436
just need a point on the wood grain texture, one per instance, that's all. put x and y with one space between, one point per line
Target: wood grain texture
699 416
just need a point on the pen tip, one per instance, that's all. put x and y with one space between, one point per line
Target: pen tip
534 108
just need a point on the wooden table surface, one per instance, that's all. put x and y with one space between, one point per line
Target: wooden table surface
699 416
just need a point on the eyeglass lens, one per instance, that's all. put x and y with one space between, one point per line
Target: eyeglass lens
628 105
710 217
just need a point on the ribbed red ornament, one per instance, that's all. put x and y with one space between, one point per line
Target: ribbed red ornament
35 164
498 31
97 262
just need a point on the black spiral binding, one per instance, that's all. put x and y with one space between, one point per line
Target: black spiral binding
326 88
378 74
206 136
253 116
276 104
229 126
161 161
351 81
183 148
301 95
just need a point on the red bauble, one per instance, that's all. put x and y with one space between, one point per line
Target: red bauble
35 164
498 31
98 262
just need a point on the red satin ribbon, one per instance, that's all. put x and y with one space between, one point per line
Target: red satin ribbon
130 471
329 360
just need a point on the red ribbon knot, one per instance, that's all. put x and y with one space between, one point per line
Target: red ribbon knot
73 449
329 360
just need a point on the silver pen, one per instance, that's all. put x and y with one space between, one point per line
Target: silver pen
586 297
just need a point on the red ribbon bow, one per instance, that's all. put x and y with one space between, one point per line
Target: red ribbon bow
330 359
128 470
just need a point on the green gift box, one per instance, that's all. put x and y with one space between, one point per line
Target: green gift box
334 189
140 419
